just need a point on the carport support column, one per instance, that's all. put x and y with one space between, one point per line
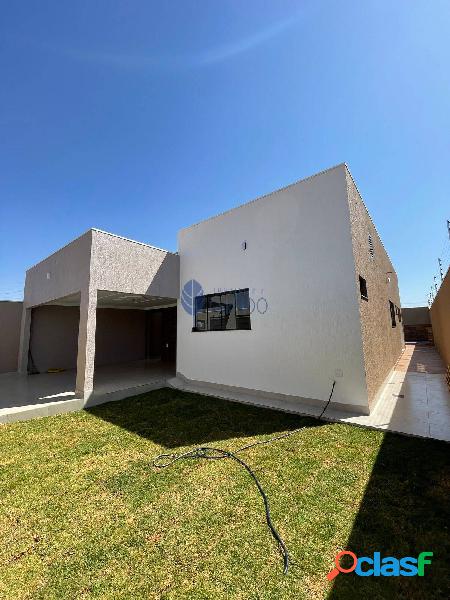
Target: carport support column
86 343
24 346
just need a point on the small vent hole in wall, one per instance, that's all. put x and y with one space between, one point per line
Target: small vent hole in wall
371 250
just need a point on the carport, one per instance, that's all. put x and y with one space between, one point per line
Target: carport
135 338
102 313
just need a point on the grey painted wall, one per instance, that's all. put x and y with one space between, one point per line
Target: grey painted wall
10 317
62 273
126 266
95 261
416 316
120 336
54 337
103 261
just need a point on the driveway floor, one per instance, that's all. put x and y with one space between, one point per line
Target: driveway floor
27 396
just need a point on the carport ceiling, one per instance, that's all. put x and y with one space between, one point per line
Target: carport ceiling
108 299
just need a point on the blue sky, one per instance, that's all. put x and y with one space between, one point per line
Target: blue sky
140 118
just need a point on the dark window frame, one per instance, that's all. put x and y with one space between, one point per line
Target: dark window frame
392 311
242 321
363 288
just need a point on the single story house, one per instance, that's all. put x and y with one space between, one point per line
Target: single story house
276 298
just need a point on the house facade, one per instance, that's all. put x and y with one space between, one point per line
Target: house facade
276 298
303 253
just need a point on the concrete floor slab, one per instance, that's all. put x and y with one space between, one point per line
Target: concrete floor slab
415 400
24 397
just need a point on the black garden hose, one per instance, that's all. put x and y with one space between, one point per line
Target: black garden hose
210 453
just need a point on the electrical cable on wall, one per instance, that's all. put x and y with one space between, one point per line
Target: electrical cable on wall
209 453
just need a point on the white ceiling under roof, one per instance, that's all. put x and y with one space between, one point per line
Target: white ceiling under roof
108 299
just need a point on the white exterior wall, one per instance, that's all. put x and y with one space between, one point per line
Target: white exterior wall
299 257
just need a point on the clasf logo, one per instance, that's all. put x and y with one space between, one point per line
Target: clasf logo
389 566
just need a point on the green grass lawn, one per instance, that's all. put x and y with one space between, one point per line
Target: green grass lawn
84 514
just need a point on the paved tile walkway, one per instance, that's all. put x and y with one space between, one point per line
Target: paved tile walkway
415 400
420 358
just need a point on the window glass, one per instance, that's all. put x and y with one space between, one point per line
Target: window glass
229 310
242 309
201 313
242 302
224 311
214 313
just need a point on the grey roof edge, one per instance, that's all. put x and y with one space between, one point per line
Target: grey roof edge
272 193
90 230
121 237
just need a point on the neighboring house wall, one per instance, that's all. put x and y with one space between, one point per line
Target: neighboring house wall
10 318
382 343
299 257
417 324
440 319
416 316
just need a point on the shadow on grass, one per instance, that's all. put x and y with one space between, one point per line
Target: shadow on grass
174 418
404 511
